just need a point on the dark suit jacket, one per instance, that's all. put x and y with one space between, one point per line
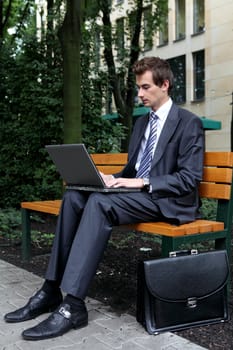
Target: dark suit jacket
177 164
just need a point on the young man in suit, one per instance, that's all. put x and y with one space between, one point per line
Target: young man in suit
165 160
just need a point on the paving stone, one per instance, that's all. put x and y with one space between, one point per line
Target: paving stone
106 329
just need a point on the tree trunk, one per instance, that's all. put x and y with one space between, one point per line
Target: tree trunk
124 103
50 32
70 38
4 19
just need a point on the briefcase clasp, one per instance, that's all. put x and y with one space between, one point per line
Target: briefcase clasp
183 252
192 302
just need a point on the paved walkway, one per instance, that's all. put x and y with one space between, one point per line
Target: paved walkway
106 330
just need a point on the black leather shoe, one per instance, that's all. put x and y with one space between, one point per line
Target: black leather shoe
38 304
58 323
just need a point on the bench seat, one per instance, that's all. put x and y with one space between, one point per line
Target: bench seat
216 184
163 228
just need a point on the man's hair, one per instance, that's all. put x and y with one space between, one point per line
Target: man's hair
160 69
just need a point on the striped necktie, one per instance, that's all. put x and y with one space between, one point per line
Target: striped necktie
145 164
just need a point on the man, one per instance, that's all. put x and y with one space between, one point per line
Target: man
165 160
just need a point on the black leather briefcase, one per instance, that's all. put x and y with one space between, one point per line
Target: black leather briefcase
185 290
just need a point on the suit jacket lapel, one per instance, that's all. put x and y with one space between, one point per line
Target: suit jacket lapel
167 132
130 167
139 136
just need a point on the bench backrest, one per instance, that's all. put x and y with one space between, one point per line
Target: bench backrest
217 176
216 183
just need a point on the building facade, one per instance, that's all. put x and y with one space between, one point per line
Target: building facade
197 40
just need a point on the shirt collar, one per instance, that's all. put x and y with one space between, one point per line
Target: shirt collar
163 111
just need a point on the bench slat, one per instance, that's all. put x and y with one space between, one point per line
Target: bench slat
215 191
221 175
50 207
110 169
198 226
162 228
210 159
218 159
110 158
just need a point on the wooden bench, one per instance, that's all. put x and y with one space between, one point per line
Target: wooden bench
216 184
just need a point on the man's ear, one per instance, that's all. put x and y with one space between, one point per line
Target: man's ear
165 85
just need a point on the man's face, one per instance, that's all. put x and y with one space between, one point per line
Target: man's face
150 94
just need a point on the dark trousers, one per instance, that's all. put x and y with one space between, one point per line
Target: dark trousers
83 230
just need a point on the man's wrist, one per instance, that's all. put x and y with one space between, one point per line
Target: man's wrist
146 183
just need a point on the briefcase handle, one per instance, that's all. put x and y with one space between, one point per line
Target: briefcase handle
183 252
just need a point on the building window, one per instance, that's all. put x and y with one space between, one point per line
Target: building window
120 38
163 32
178 66
132 23
148 42
199 75
198 16
180 19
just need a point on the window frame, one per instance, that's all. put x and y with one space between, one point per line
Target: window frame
198 75
179 87
198 16
180 20
163 34
147 23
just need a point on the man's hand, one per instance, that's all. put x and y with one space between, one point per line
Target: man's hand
111 181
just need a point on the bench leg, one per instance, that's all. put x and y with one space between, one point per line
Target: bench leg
225 243
26 234
168 245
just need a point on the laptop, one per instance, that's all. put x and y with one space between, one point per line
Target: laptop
78 170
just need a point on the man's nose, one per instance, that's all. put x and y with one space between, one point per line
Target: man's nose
140 93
